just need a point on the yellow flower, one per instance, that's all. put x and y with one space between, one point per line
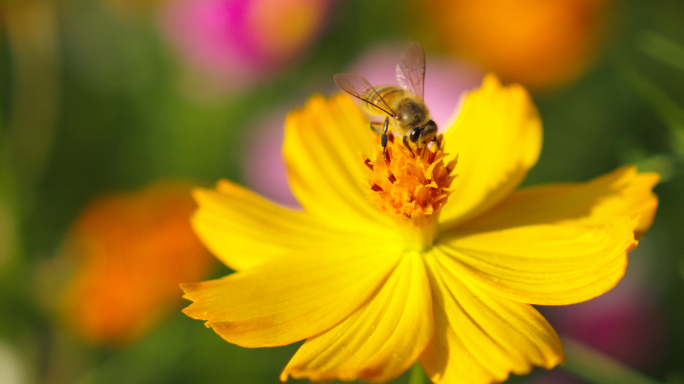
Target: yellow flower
434 258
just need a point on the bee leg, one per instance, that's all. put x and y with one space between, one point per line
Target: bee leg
383 138
375 127
406 144
425 149
439 144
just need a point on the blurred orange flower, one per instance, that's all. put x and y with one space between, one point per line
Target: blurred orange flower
539 43
130 252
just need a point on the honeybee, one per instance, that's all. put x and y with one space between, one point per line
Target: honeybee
404 110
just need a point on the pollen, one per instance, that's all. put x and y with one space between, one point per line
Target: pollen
406 185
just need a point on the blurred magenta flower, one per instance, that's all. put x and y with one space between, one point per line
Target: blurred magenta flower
445 81
625 324
556 376
240 42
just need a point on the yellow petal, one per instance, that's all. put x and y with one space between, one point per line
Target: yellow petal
291 297
622 192
543 264
323 147
379 341
244 230
481 337
497 138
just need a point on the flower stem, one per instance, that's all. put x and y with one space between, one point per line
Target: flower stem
595 367
417 376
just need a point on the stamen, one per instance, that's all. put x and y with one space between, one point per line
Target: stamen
450 167
414 187
431 157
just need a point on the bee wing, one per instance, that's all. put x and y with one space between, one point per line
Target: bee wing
411 69
358 86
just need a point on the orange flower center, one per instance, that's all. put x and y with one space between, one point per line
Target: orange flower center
410 188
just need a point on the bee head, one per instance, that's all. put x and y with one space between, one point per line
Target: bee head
429 130
424 133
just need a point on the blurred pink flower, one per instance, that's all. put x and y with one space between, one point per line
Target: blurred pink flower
625 324
264 166
445 80
239 42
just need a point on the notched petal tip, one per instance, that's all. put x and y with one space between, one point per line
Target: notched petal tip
491 82
632 196
189 287
274 304
317 104
647 181
197 193
622 192
490 79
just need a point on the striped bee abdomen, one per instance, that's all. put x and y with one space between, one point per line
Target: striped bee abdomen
390 93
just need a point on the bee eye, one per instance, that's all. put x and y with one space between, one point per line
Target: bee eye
414 135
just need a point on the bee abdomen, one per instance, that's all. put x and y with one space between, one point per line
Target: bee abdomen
389 94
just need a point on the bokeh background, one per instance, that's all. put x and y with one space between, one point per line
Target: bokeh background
111 110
